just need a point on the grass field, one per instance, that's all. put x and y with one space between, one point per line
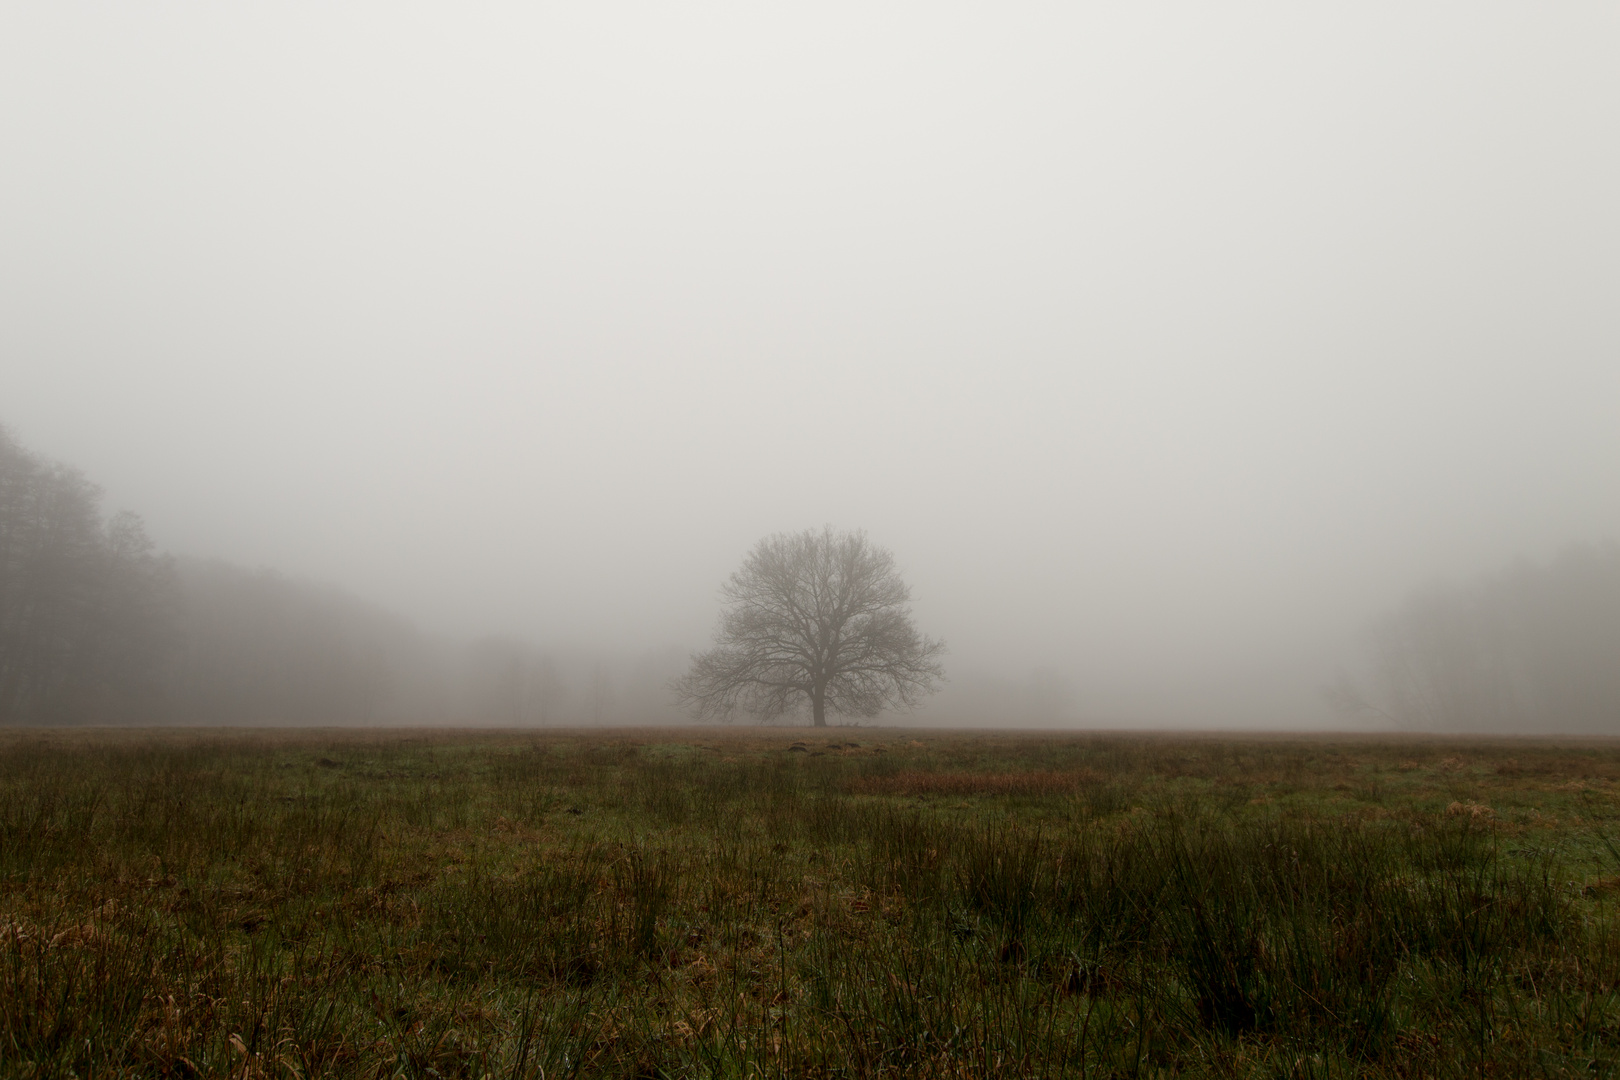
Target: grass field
844 902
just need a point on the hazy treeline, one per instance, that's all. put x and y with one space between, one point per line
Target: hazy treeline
87 611
259 648
1533 648
1043 698
96 627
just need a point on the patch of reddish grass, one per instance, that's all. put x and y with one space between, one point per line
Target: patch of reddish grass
1034 782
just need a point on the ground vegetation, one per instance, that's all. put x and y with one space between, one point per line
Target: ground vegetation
732 902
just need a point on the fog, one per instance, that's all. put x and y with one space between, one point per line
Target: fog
1166 346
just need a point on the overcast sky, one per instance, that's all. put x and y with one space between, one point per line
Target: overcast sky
1163 344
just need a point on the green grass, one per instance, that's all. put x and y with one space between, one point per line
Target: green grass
718 903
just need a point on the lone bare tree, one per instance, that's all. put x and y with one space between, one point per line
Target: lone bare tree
819 618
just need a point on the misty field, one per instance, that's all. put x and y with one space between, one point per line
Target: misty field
848 902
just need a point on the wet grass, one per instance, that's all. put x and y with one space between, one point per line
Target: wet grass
853 903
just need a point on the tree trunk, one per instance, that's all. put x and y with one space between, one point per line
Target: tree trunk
818 707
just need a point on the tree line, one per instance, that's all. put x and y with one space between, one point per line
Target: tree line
98 627
1531 648
86 608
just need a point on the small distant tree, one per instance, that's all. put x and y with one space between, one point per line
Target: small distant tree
813 618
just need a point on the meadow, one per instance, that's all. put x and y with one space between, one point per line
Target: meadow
781 902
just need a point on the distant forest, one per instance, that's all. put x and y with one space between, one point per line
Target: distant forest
1532 648
97 628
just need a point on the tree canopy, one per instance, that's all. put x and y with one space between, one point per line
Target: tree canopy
818 620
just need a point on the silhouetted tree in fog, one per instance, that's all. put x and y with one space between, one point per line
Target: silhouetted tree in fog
817 619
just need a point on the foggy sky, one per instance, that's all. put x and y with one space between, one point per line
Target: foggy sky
1163 344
